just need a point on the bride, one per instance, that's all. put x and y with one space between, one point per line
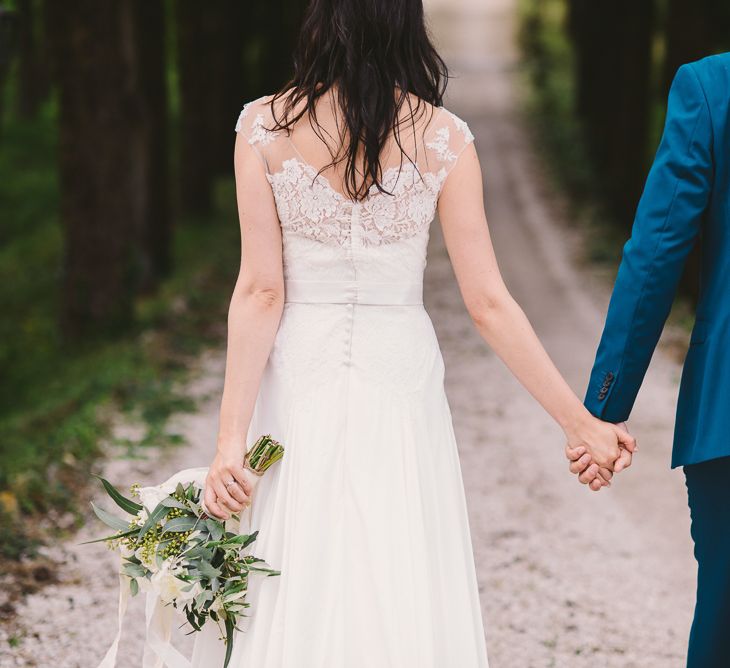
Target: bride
330 351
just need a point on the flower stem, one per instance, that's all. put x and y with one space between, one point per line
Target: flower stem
265 452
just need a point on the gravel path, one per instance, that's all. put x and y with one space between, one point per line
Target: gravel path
568 579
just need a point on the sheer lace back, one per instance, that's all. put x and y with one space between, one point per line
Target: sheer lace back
384 236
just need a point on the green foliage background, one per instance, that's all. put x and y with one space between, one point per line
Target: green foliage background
56 399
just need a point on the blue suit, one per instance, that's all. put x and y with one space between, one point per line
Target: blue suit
686 199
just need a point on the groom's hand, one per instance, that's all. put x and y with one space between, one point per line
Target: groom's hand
628 449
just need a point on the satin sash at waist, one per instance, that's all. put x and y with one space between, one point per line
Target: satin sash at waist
353 292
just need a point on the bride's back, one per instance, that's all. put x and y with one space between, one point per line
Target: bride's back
315 209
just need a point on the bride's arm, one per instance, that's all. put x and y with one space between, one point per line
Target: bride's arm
501 321
253 319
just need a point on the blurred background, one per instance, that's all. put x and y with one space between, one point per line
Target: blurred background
119 244
600 73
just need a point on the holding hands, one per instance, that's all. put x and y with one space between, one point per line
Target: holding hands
596 450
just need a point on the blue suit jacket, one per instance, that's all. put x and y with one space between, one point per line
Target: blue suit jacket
686 197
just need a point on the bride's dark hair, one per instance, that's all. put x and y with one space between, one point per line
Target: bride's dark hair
376 53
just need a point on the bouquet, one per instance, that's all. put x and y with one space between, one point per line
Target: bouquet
182 558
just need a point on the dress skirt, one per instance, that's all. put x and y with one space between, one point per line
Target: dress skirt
365 515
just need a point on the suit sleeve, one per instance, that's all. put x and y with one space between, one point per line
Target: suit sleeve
667 223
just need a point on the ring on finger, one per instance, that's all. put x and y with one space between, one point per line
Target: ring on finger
230 482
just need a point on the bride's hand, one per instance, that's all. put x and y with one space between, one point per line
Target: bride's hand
603 441
227 486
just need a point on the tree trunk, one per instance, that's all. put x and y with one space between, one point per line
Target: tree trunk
613 66
195 82
280 21
229 87
152 83
8 28
103 162
211 72
33 80
247 53
629 134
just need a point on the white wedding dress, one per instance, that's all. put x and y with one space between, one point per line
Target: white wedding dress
365 516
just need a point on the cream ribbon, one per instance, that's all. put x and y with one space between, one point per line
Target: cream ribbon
110 658
158 649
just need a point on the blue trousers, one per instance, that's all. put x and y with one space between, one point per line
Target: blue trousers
708 488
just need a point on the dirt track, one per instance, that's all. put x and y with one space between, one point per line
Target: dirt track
568 578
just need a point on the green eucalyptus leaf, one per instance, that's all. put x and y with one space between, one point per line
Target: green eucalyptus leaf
131 532
202 598
230 628
155 516
171 502
177 524
199 552
134 570
110 520
216 528
192 621
242 540
122 501
208 570
234 597
241 586
195 509
134 587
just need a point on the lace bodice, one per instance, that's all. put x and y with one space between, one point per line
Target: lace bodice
327 236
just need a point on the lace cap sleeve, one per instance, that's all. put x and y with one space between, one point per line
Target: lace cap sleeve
253 123
446 138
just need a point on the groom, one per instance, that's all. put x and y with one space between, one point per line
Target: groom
686 197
